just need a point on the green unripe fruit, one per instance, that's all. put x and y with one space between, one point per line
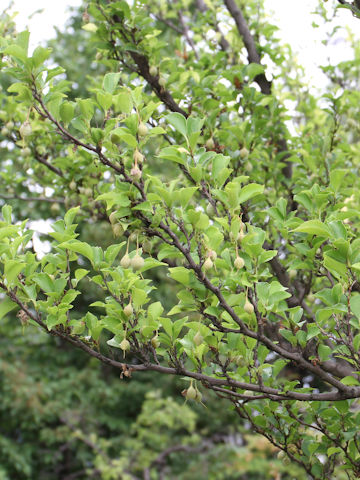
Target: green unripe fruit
25 129
210 144
135 173
292 449
286 461
72 185
138 157
88 192
125 262
117 230
55 207
239 360
198 397
128 310
85 17
25 152
146 245
292 273
137 262
248 167
155 342
142 129
198 339
5 131
241 235
191 393
115 138
248 307
112 218
210 210
41 150
239 263
162 82
125 345
244 152
281 455
153 71
208 264
10 125
212 254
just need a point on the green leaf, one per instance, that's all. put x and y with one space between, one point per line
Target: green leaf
79 247
111 81
324 352
314 227
39 56
70 215
250 191
17 52
67 112
6 305
355 305
178 121
12 269
123 102
349 380
6 213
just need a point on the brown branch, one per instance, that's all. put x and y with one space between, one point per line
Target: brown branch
347 392
253 55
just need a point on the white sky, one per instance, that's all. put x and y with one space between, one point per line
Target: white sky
293 17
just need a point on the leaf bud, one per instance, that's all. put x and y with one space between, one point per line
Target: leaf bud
137 262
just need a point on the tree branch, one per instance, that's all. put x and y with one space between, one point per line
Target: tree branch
249 42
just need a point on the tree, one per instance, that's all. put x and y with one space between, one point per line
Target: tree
249 232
